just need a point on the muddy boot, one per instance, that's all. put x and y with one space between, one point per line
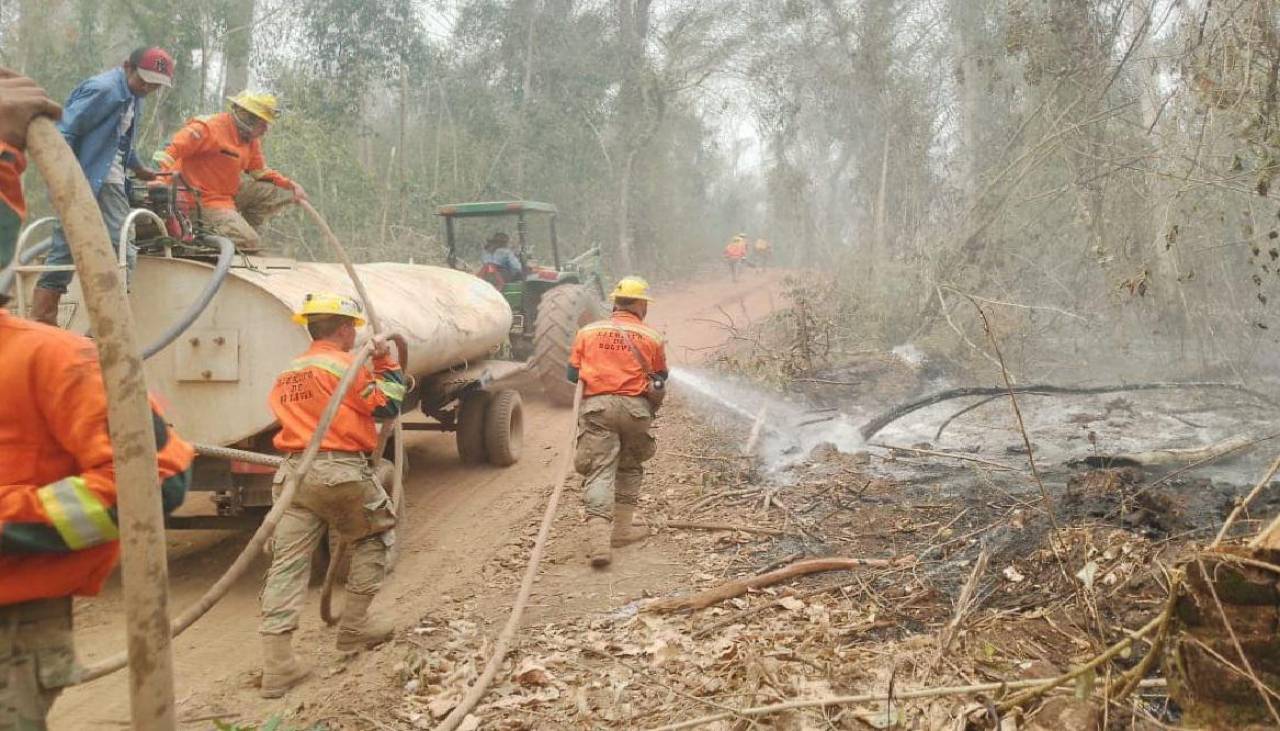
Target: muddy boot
280 669
599 535
44 306
359 628
623 532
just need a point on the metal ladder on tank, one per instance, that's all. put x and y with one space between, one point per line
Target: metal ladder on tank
21 270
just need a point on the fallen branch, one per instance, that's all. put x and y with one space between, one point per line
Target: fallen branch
1201 463
949 455
873 426
737 617
1170 457
738 587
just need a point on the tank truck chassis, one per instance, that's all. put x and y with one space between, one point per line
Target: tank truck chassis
236 337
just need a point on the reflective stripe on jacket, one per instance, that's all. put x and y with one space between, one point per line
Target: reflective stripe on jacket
303 390
211 156
58 534
606 363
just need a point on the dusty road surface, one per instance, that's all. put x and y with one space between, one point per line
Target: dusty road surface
467 529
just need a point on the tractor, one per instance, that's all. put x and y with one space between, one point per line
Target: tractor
549 303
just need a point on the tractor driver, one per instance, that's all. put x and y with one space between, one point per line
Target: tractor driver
498 254
214 153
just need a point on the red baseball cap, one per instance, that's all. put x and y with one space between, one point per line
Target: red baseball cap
155 66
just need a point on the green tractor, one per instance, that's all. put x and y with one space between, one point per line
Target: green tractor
549 303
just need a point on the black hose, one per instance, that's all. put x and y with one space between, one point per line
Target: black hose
226 251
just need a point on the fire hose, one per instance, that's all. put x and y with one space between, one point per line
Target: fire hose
226 252
144 569
477 691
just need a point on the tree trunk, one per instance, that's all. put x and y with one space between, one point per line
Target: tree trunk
237 46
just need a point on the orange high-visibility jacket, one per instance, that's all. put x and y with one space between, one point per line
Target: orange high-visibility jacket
606 363
13 207
211 156
304 389
58 523
736 250
12 163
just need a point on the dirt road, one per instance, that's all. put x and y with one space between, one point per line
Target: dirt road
463 523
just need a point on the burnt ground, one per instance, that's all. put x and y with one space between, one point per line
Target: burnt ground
591 655
595 659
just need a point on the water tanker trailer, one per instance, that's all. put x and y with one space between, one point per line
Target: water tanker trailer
215 377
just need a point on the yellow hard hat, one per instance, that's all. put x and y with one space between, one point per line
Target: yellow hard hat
631 288
326 303
260 104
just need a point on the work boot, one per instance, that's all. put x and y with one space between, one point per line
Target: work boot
359 628
599 537
280 669
44 305
624 533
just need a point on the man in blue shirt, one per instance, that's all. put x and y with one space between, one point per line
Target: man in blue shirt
100 123
497 251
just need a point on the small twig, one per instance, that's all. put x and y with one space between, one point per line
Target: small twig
1047 504
964 603
1018 699
949 455
706 457
681 525
937 435
1266 480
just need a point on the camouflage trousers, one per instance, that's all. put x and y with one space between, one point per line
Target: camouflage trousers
37 659
339 493
256 201
613 444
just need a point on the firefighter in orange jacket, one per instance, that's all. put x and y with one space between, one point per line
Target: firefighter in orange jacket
735 254
58 522
214 153
619 361
339 491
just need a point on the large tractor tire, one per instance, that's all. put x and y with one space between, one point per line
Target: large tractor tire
471 417
504 428
562 311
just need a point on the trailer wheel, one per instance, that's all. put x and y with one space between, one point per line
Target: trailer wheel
504 428
560 313
471 417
